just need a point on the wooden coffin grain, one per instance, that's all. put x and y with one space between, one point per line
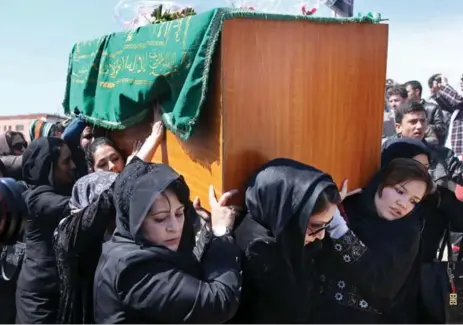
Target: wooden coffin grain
306 90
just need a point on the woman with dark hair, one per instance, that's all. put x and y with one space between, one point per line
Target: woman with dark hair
77 244
49 171
363 272
441 211
147 272
405 148
102 154
289 205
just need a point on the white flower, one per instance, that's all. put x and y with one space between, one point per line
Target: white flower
322 278
363 304
346 258
338 296
341 284
338 247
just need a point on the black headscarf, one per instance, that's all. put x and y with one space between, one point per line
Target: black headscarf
77 244
40 159
403 148
135 191
281 197
396 242
372 229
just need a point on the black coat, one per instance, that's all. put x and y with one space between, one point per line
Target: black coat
37 294
446 168
277 265
363 274
139 282
440 210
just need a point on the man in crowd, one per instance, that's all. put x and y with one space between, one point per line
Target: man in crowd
445 167
435 118
451 102
396 96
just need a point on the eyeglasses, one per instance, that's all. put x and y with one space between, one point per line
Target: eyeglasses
319 230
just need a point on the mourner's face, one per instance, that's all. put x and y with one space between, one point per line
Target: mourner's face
19 145
86 138
413 94
413 125
164 223
422 158
395 101
395 202
107 159
317 224
65 171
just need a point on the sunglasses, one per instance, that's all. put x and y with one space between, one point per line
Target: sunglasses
19 146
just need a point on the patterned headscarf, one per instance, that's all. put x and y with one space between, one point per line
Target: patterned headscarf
77 245
89 188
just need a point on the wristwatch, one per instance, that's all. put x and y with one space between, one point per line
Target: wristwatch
221 231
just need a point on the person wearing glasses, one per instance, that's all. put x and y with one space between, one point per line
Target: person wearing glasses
289 206
12 146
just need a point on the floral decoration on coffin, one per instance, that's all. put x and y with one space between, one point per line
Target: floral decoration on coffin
308 10
132 14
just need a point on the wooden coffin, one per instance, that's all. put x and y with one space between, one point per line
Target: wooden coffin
306 90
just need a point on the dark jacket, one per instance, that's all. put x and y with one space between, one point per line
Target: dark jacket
12 247
13 166
37 295
436 121
446 169
364 273
278 275
137 281
440 209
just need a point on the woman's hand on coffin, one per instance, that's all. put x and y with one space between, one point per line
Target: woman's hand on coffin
135 149
202 213
344 193
157 131
222 216
157 128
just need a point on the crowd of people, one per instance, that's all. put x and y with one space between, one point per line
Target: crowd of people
91 236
